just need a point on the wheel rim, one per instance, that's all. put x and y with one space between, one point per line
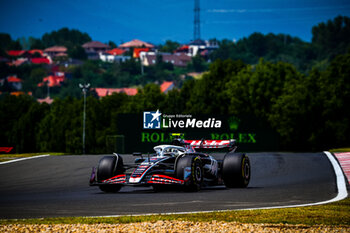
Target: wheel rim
198 174
246 170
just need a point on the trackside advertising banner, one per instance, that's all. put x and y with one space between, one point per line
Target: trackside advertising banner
144 131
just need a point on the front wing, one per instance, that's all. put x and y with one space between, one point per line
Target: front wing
126 179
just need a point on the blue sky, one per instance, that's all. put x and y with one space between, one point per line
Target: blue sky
159 20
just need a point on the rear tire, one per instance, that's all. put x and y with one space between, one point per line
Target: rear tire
236 170
190 169
108 167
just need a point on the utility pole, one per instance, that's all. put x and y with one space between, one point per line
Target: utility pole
197 22
141 62
84 88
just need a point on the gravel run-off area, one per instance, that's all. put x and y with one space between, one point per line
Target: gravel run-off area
171 226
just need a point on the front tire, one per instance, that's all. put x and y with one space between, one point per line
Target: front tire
108 167
236 170
190 169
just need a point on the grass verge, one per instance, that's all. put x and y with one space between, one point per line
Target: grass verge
336 213
339 150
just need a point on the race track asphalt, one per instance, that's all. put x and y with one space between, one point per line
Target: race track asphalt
57 186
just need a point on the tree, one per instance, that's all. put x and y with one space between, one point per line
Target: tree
197 64
27 126
169 46
225 50
6 43
271 47
333 37
311 112
112 44
77 52
36 76
254 91
172 102
335 95
208 94
13 109
65 37
36 43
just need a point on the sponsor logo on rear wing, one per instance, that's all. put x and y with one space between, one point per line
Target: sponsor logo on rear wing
212 144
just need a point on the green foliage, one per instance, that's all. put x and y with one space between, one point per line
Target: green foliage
332 38
36 43
307 109
77 52
254 90
36 76
197 64
169 46
271 47
207 95
65 37
312 111
112 44
19 121
6 43
329 39
150 97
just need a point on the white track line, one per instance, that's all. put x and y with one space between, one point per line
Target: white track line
17 160
341 185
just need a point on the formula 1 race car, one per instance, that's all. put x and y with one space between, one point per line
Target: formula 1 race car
178 164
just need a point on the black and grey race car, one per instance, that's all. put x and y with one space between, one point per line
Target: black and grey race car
178 164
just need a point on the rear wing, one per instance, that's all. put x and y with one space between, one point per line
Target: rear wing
213 144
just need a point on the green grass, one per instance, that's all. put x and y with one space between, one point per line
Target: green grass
336 213
339 150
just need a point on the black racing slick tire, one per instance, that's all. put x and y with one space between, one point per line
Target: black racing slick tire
236 170
108 167
190 169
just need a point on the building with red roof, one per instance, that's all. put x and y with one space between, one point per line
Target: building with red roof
15 82
34 51
18 53
18 62
137 51
129 91
52 81
116 51
18 93
177 59
47 100
55 50
13 79
167 86
96 46
106 57
102 92
93 48
183 49
40 60
136 44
